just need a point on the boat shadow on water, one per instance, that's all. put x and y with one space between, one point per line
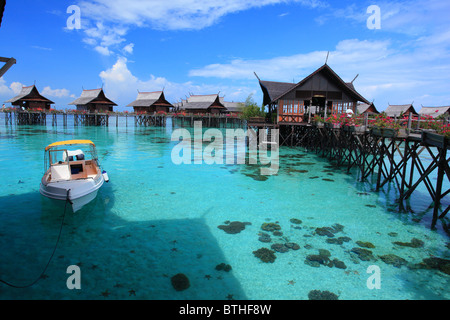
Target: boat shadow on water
169 259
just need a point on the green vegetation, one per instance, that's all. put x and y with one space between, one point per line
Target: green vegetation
251 109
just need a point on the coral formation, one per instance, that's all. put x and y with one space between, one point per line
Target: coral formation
394 260
223 267
233 227
365 244
434 263
364 254
270 226
415 243
266 255
322 295
180 282
329 231
323 258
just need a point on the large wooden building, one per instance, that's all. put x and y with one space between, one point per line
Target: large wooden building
150 102
322 92
202 104
92 101
30 99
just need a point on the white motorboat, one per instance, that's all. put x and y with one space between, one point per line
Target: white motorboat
72 172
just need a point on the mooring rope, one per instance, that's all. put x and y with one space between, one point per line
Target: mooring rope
51 257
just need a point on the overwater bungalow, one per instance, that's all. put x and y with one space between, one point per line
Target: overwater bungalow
323 90
366 108
204 104
397 110
92 101
234 108
150 102
30 99
435 111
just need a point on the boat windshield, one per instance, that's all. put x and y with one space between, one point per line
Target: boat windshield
64 154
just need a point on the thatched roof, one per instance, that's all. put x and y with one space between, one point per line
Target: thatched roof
147 99
92 96
276 90
363 107
434 111
272 89
29 93
203 102
234 106
396 110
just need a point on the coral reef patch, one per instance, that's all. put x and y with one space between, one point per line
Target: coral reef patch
434 263
180 282
394 260
323 258
414 243
266 255
233 227
223 267
322 295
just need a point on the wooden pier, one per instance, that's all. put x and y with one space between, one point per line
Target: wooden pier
390 156
153 120
208 120
31 118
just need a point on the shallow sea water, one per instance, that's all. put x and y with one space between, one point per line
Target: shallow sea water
155 219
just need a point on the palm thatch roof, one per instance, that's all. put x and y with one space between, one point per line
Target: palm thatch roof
233 106
92 96
29 93
147 99
366 107
203 102
397 110
435 111
274 91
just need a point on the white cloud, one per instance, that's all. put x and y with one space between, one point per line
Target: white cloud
121 86
108 21
174 14
42 48
102 37
8 92
59 93
128 48
4 89
16 87
386 74
102 50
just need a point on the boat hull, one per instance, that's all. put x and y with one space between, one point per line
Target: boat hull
82 191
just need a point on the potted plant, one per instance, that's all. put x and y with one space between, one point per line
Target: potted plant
384 126
332 122
318 121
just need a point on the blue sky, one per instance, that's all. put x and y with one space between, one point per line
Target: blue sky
204 47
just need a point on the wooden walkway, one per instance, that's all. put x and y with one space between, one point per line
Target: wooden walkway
207 120
104 119
393 158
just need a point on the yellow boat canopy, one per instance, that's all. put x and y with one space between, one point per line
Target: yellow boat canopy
68 142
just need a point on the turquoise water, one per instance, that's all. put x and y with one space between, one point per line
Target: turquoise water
155 219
